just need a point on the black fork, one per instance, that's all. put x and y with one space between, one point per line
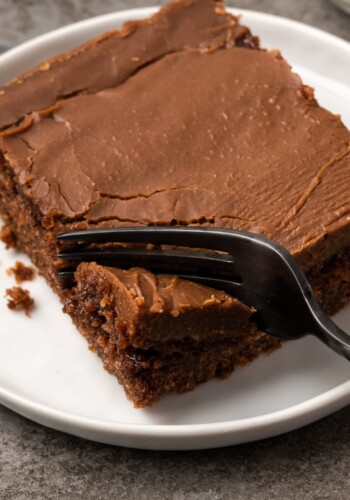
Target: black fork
256 270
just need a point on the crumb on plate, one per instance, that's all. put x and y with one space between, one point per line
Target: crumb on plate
8 237
19 299
21 272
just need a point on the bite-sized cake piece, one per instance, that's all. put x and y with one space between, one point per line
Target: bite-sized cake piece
19 299
179 119
21 272
161 334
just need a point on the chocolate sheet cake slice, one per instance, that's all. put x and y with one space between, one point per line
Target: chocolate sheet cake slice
161 334
180 119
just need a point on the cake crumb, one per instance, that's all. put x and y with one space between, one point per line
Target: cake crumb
19 299
8 237
140 301
308 92
105 300
21 272
220 10
45 66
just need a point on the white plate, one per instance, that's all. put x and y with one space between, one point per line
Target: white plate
47 373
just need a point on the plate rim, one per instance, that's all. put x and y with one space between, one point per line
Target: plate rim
182 437
177 434
341 390
147 11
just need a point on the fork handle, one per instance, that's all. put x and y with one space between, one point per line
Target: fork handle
335 338
327 331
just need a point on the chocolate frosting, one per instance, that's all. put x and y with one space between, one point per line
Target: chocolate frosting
227 136
113 57
153 309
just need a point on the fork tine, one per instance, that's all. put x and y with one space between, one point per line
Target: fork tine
176 260
253 254
273 283
198 237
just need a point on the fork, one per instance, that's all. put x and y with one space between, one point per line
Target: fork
253 268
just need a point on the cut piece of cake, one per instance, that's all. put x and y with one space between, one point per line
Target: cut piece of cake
179 119
162 334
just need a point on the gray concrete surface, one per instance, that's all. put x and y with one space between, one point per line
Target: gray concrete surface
38 463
